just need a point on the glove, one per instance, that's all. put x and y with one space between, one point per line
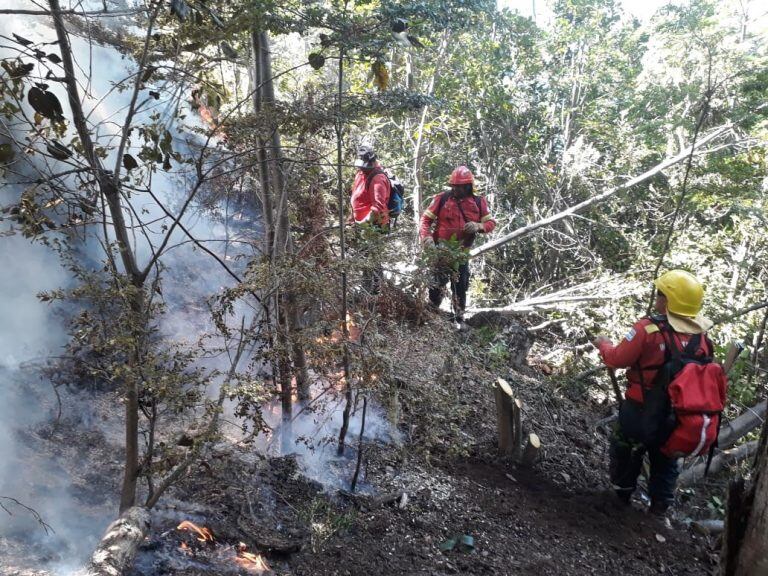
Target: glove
428 242
473 227
600 340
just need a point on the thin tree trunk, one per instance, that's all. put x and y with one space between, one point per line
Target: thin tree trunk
283 241
758 344
343 254
746 550
108 188
261 153
418 158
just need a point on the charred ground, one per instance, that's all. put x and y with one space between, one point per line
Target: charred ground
443 480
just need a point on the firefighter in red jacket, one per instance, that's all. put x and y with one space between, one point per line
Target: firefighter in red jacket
370 190
455 214
679 299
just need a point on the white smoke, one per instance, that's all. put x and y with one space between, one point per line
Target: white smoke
37 467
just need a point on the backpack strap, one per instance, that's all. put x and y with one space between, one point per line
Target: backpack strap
444 198
713 446
375 172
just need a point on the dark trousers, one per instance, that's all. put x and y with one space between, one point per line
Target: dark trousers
626 460
459 285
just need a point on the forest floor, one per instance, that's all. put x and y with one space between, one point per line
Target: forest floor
558 517
443 474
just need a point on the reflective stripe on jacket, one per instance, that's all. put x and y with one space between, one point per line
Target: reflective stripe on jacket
642 350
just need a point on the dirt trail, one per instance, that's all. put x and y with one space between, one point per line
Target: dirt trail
521 525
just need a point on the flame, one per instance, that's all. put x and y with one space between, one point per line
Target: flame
204 534
184 546
250 560
336 336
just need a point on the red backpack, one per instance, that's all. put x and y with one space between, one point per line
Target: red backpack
683 407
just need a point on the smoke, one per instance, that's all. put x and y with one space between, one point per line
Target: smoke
315 434
69 471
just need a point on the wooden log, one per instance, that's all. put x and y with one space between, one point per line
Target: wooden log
708 527
750 419
504 421
696 473
531 451
734 350
114 554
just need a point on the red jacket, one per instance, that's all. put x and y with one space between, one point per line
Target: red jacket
449 221
371 199
643 346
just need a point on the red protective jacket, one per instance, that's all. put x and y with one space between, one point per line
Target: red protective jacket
372 198
449 221
643 347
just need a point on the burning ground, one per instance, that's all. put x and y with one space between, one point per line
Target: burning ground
241 511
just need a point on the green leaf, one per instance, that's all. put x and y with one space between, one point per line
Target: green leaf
6 153
58 150
316 60
129 162
45 103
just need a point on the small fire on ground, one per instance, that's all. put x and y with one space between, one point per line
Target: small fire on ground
239 554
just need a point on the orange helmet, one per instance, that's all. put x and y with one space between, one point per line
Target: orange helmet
462 175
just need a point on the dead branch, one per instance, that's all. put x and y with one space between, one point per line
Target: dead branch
737 428
366 502
723 459
741 312
45 526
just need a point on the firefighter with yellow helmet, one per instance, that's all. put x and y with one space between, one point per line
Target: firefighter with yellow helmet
678 325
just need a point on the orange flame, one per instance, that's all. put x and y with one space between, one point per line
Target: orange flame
204 534
250 560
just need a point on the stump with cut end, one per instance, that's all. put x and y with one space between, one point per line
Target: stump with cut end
509 423
505 423
531 451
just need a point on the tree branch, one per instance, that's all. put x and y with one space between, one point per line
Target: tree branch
525 230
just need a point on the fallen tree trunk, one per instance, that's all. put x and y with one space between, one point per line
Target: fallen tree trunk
550 302
696 473
599 198
738 427
114 554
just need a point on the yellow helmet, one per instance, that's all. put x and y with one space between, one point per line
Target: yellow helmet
684 292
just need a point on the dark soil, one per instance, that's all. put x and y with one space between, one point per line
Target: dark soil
521 524
556 518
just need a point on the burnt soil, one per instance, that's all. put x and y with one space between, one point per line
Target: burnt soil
558 517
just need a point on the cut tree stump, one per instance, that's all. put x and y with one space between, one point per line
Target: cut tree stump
509 423
504 418
517 428
115 553
531 451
